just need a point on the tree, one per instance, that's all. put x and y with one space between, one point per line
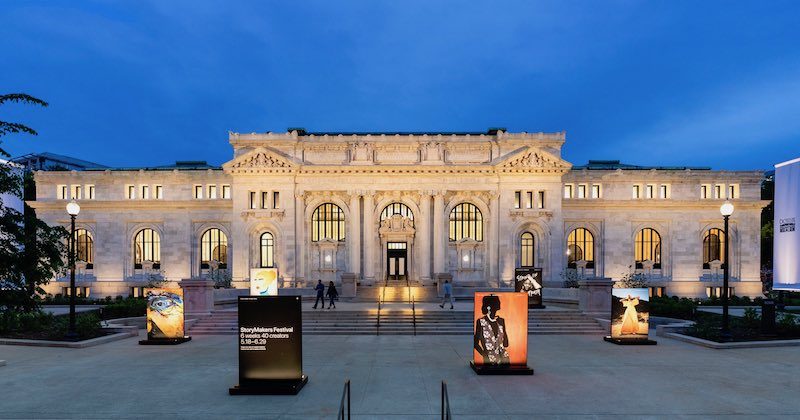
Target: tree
31 252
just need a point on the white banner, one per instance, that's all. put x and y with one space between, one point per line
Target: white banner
786 263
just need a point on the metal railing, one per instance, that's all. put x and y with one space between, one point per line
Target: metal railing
413 306
342 406
446 414
381 298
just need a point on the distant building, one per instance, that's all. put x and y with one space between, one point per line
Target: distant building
418 206
10 200
54 162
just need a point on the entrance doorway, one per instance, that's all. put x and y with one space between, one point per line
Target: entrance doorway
396 261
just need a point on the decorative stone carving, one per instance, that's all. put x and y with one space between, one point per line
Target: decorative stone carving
362 153
260 160
397 224
432 152
533 159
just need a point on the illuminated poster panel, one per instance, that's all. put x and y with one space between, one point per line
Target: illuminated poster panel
264 282
165 319
500 341
786 256
270 340
630 316
529 280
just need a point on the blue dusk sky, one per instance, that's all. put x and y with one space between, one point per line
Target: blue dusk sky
135 83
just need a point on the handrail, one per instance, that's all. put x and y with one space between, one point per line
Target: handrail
381 297
414 314
446 414
345 393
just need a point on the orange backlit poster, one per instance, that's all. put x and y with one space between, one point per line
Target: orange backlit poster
500 320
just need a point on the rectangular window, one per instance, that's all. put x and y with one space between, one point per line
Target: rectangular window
718 191
540 203
90 192
226 192
61 192
637 191
568 191
595 191
649 191
529 201
145 192
198 191
264 199
131 192
252 199
159 192
517 199
582 191
75 194
664 191
212 192
733 191
276 200
704 190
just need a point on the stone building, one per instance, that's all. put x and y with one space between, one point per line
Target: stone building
416 206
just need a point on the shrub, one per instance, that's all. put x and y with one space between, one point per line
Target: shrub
124 308
571 277
673 307
632 280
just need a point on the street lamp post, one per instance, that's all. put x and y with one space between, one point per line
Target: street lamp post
72 209
727 210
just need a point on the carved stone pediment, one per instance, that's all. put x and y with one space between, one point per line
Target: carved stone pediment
263 214
259 160
532 159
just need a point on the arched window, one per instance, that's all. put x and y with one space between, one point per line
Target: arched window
84 247
267 250
327 222
713 247
147 247
466 221
580 247
214 247
397 208
647 247
527 250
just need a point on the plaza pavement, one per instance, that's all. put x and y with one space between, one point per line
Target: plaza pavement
399 377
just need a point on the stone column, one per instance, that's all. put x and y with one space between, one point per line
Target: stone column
423 238
494 240
300 238
439 234
198 296
369 237
354 236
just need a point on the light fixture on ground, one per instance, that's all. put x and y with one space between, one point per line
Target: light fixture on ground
72 209
727 210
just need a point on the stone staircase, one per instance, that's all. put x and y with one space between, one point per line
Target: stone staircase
396 292
400 322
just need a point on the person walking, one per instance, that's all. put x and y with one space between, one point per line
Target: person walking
448 294
332 294
320 294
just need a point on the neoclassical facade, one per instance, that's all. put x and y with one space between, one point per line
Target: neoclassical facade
416 206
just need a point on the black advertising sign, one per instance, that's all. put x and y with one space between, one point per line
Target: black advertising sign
270 345
529 280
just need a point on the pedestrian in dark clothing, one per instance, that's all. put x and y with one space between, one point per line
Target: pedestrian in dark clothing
320 294
332 294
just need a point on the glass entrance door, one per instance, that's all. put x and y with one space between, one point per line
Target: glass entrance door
396 261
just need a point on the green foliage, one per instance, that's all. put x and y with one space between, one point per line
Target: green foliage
632 280
124 308
31 252
571 277
42 325
222 278
787 321
673 307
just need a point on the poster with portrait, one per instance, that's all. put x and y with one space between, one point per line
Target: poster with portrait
264 282
630 314
529 281
500 342
164 314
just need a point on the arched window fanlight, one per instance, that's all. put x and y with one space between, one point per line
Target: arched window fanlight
580 247
466 221
527 250
647 247
214 247
267 248
147 247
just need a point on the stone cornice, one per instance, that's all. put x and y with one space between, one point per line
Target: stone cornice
123 205
596 204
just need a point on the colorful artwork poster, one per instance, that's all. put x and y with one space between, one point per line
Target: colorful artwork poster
164 313
529 280
264 282
501 328
630 314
